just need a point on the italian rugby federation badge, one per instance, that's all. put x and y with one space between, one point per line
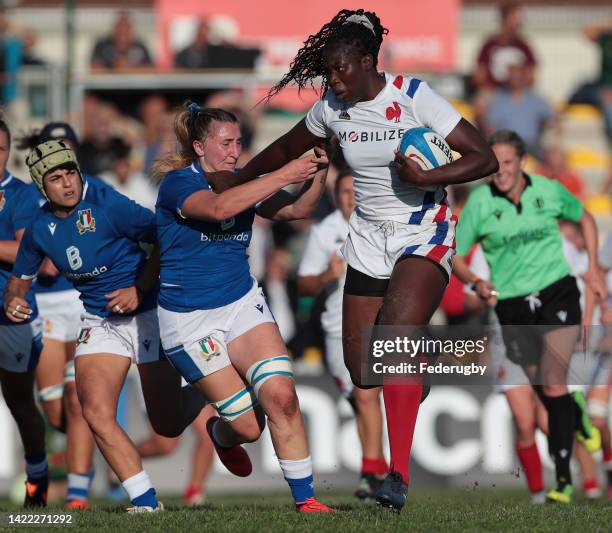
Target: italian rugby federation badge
2 200
83 336
85 221
209 348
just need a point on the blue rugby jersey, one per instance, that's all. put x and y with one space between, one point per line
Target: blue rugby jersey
18 207
60 283
204 265
96 247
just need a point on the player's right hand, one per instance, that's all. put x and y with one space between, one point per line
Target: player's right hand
300 170
18 310
486 291
335 268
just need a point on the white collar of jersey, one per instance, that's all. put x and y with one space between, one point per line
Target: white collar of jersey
196 167
85 187
8 178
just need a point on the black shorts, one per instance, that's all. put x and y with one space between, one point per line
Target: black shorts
555 306
359 284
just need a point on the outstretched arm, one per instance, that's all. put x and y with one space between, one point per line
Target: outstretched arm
206 205
287 206
293 144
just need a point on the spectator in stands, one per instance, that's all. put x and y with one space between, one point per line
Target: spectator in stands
134 185
519 108
30 57
121 50
98 150
601 34
555 167
11 56
205 52
504 48
198 54
162 144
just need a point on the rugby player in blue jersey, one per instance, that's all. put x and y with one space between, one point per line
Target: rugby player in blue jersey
60 309
20 344
215 324
93 239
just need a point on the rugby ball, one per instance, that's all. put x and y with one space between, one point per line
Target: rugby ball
426 148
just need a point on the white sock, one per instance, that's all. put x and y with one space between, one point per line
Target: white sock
137 484
297 469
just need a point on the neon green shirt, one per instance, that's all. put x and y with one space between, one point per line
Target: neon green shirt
521 243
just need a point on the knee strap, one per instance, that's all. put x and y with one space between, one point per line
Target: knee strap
261 371
69 372
48 394
239 403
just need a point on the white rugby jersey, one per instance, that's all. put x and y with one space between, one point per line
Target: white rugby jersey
325 239
369 132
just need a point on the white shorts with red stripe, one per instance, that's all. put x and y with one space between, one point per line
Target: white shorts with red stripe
373 247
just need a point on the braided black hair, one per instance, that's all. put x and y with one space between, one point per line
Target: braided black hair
366 36
29 141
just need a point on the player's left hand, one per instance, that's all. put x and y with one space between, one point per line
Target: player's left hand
408 171
596 279
124 301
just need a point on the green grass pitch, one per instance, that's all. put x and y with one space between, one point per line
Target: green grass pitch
474 509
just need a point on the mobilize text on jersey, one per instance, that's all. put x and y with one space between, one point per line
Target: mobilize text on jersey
392 134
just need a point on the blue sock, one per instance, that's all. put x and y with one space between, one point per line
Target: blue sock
301 489
149 499
36 466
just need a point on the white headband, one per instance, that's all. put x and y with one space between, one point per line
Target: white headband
361 19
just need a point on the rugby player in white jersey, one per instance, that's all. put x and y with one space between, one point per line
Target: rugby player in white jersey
401 236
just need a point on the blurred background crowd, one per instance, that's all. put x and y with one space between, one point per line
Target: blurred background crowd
541 68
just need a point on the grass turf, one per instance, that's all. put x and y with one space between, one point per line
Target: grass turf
474 509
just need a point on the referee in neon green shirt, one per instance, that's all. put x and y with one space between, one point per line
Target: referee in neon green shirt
515 219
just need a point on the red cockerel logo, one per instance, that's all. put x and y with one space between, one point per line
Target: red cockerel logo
394 112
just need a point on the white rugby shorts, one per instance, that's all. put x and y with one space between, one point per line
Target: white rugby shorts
20 346
196 342
61 314
135 336
507 374
334 357
373 247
